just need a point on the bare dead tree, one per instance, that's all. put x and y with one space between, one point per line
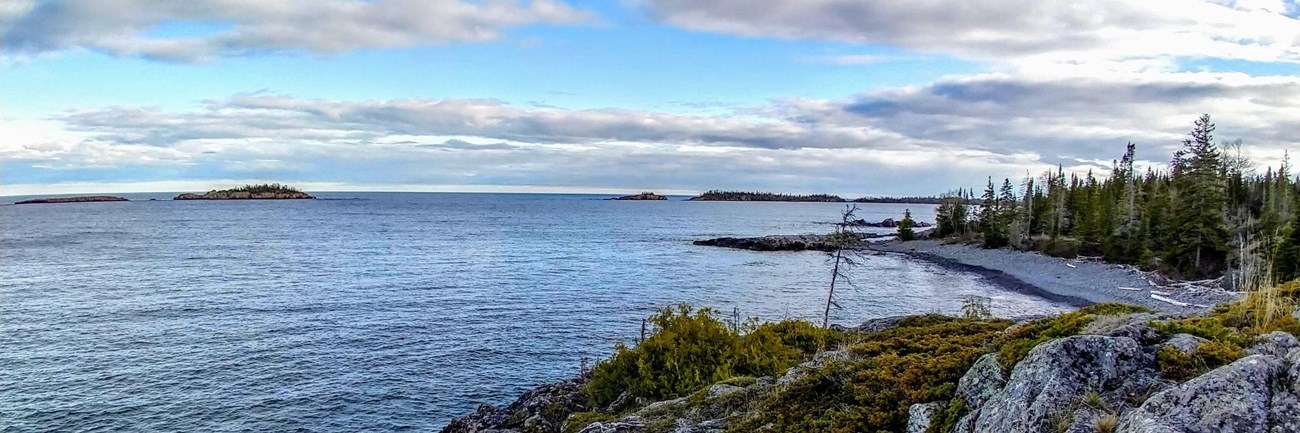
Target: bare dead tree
843 257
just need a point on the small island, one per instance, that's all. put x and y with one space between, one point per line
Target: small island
84 199
716 195
272 191
642 196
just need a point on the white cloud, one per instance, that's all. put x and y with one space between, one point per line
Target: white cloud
1032 32
125 27
915 140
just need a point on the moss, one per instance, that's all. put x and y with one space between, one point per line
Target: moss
577 421
892 369
1177 365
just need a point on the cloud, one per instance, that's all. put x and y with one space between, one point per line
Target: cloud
1020 31
241 27
912 140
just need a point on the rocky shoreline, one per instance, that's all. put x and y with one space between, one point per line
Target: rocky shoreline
1113 375
1071 281
84 199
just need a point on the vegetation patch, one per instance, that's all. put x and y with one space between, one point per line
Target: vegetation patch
691 349
1016 343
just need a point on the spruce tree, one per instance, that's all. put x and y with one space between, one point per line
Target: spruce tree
991 221
905 232
1200 241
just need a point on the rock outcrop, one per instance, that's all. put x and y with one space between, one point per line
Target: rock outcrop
642 196
1239 397
1056 375
888 223
541 409
86 199
780 242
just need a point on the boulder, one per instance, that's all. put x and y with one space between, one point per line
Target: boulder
1056 375
1276 343
921 415
1185 343
982 381
1136 326
1238 397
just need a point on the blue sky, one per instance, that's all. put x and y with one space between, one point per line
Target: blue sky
123 95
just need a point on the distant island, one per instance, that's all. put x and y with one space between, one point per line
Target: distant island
272 191
85 199
642 196
715 195
917 200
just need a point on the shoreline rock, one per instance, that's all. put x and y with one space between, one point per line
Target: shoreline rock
887 223
780 242
83 199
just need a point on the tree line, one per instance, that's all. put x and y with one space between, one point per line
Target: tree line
1209 213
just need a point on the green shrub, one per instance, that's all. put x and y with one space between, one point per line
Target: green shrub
946 420
691 349
1177 365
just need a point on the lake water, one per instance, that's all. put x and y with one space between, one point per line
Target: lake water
384 311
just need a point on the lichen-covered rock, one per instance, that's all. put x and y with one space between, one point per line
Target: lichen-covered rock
1185 343
921 415
630 424
543 408
981 381
1276 343
1136 326
1237 397
1056 375
803 369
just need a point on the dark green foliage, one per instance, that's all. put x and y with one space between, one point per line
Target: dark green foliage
1203 216
946 420
919 361
716 195
905 231
691 349
272 188
951 217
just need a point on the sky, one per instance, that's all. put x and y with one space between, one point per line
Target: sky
851 97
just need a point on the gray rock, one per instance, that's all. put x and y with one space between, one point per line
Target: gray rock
1186 343
1276 343
1234 398
1136 326
981 381
722 389
1056 375
542 408
921 415
803 369
625 425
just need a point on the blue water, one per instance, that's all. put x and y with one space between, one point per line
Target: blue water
383 311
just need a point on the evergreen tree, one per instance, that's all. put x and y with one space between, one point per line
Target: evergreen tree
905 232
1286 263
991 219
1200 243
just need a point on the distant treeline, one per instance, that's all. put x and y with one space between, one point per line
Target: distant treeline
910 200
716 195
273 188
1209 214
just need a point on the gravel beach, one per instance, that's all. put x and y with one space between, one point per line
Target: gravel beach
1079 282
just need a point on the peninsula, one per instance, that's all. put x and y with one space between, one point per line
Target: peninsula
716 195
83 199
273 191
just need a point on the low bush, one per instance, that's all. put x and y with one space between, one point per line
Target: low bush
691 349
